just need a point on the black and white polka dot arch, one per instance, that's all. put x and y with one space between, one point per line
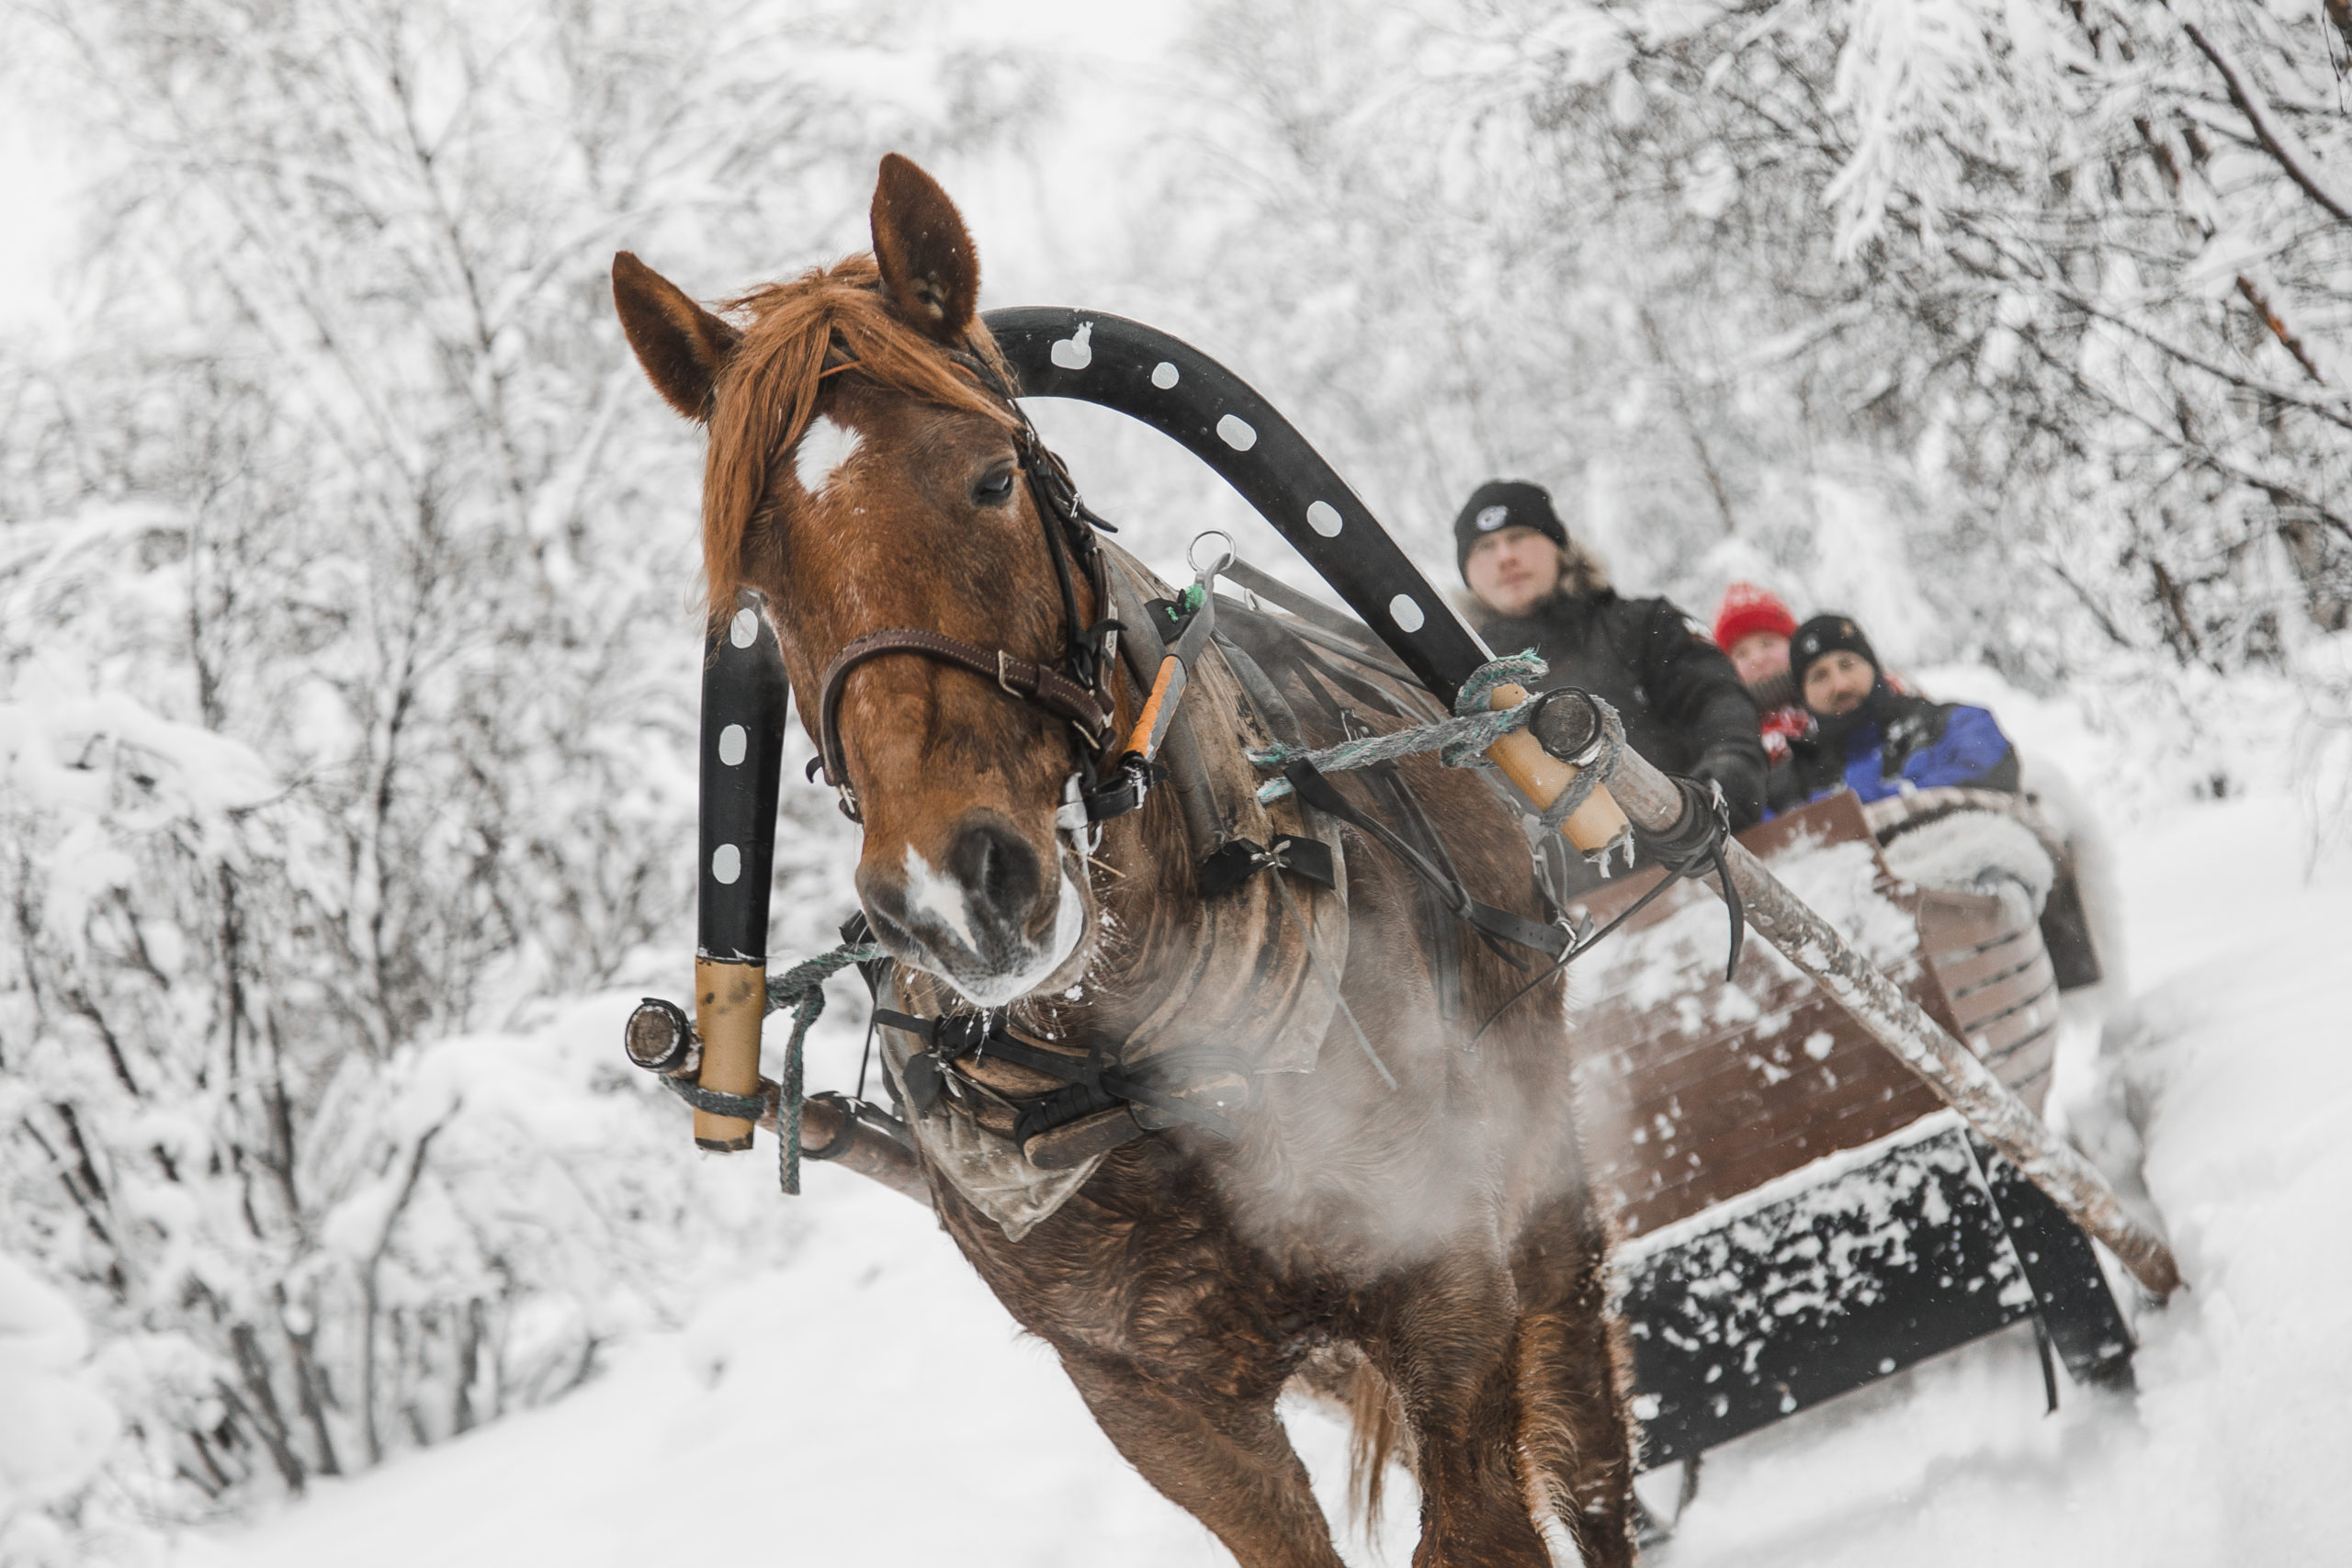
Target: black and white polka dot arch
1217 417
744 712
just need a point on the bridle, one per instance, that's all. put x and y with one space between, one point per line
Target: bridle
1076 690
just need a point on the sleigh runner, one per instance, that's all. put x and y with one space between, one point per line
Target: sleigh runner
1092 1112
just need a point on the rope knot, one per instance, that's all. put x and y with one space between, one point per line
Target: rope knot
802 988
1524 668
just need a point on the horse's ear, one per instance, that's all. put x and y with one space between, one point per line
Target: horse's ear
680 345
925 251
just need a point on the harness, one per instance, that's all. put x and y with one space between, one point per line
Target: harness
1108 782
1093 1101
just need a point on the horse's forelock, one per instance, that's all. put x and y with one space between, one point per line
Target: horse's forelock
768 391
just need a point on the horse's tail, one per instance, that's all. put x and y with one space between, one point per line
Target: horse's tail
1378 1422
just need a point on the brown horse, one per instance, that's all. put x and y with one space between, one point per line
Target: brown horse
1427 1251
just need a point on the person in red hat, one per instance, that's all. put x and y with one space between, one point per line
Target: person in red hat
1753 628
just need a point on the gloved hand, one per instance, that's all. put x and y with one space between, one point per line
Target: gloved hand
1737 769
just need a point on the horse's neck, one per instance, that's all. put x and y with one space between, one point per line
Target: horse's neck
1175 972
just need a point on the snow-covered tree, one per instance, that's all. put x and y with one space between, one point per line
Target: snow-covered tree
2019 328
347 662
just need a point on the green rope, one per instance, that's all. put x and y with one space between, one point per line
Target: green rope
1461 741
802 988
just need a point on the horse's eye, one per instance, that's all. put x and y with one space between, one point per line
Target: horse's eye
995 490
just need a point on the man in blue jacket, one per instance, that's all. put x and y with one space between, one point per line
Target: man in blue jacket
1872 740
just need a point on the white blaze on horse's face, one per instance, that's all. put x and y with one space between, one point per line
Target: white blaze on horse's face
945 925
824 450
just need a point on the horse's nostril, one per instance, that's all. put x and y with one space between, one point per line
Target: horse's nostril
999 869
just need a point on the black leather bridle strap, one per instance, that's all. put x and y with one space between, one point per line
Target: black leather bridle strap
1036 684
1080 693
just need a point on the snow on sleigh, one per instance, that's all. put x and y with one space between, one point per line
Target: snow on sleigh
1826 1167
1801 1215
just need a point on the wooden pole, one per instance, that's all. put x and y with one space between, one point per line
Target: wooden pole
830 1133
1541 777
1925 1046
729 1001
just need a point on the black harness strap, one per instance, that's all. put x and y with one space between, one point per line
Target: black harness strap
1502 924
1079 691
1038 686
955 1037
1695 844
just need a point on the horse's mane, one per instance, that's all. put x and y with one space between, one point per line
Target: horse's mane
828 321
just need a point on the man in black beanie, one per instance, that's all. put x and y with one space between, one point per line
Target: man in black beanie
1871 739
1684 706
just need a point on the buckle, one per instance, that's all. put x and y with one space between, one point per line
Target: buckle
1130 781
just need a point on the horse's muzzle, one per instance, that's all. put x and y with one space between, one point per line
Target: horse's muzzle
995 920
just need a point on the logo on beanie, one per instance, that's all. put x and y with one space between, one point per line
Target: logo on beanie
1491 518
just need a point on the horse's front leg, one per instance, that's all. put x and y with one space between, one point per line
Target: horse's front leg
1222 1456
1573 1372
1159 1323
1446 1338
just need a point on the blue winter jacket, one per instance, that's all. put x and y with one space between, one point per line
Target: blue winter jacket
1906 743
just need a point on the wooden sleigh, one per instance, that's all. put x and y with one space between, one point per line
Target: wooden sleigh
1801 1215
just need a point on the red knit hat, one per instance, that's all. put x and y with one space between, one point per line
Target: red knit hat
1748 609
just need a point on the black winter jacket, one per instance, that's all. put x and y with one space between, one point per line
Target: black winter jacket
1683 704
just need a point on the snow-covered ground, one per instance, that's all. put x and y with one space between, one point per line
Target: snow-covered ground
867 1402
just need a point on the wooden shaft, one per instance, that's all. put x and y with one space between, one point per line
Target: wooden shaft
845 1142
1925 1046
729 1001
1541 777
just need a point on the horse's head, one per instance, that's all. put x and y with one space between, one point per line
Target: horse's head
864 475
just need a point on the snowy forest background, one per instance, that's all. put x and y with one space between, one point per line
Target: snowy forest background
348 659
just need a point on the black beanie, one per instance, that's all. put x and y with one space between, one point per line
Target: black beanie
1504 503
1826 634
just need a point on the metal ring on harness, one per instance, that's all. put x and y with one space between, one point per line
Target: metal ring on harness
1224 561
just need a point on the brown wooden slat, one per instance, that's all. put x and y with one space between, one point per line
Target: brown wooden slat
2037 1018
2029 1063
1962 975
1656 1185
1650 1048
1802 1118
1722 1106
1969 936
1666 1196
1726 1102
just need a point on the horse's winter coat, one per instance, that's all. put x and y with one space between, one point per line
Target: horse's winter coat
1429 1253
